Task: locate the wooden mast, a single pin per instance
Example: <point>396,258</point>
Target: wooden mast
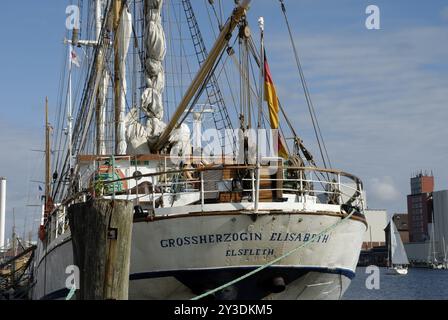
<point>117,6</point>
<point>101,100</point>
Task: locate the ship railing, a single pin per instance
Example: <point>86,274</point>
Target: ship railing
<point>310,184</point>
<point>239,182</point>
<point>237,185</point>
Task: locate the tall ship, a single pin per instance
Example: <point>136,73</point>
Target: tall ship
<point>188,126</point>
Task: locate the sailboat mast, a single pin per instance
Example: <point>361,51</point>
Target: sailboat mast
<point>389,249</point>
<point>444,250</point>
<point>433,239</point>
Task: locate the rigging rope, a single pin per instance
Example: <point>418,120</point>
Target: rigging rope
<point>270,264</point>
<point>317,130</point>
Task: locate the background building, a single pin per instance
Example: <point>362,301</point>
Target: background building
<point>374,251</point>
<point>420,207</point>
<point>375,236</point>
<point>440,207</point>
<point>401,222</point>
<point>427,221</point>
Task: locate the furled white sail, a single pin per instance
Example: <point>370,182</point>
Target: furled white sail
<point>155,45</point>
<point>124,39</point>
<point>398,253</point>
<point>138,135</point>
<point>101,114</point>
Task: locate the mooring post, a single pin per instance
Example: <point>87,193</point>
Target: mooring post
<point>101,235</point>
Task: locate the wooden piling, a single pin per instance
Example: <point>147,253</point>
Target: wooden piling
<point>101,235</point>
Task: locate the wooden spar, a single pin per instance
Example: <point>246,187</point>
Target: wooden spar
<point>100,103</point>
<point>99,110</point>
<point>117,12</point>
<point>117,96</point>
<point>205,69</point>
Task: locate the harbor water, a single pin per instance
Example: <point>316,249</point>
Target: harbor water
<point>418,284</point>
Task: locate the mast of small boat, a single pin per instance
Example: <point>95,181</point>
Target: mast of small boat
<point>389,249</point>
<point>444,251</point>
<point>433,240</point>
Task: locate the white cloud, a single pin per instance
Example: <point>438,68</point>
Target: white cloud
<point>384,189</point>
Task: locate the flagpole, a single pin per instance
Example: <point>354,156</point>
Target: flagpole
<point>260,113</point>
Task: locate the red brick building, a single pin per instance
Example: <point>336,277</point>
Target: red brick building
<point>420,207</point>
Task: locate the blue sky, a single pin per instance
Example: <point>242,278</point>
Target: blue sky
<point>381,95</point>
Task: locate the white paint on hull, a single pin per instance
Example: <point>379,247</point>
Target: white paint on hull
<point>339,251</point>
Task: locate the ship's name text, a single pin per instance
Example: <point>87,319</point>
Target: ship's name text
<point>242,237</point>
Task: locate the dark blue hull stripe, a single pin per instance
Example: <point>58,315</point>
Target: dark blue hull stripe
<point>163,274</point>
<point>191,278</point>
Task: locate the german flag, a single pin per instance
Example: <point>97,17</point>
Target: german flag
<point>270,95</point>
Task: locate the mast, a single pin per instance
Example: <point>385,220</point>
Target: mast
<point>116,14</point>
<point>203,72</point>
<point>260,112</point>
<point>98,19</point>
<point>444,250</point>
<point>2,211</point>
<point>100,109</point>
<point>433,240</point>
<point>70,111</point>
<point>389,249</point>
<point>102,91</point>
<point>47,158</point>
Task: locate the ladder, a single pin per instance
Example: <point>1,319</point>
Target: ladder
<point>214,94</point>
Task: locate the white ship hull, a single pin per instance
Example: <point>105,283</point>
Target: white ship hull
<point>182,257</point>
